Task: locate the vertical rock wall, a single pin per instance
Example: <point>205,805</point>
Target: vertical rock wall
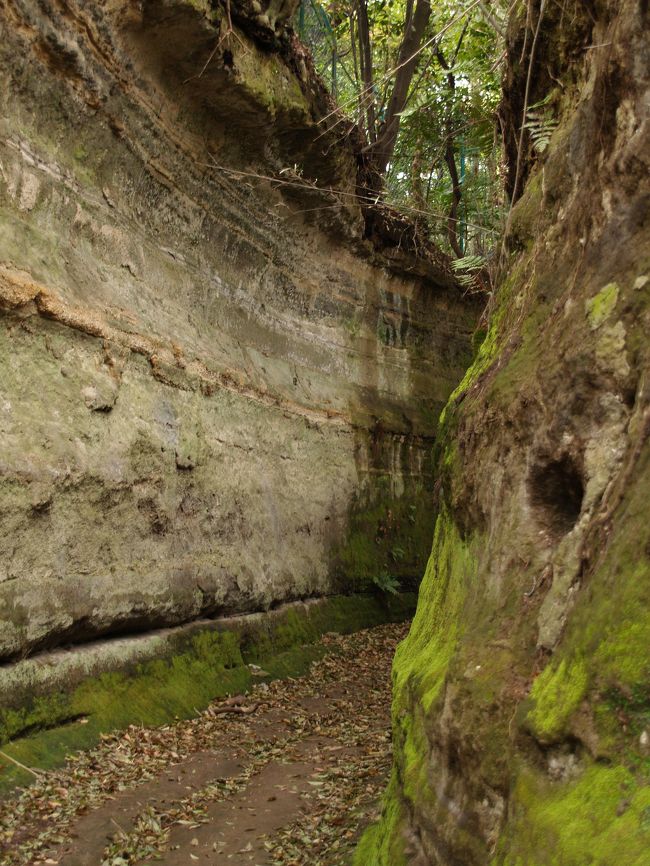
<point>216,394</point>
<point>522,693</point>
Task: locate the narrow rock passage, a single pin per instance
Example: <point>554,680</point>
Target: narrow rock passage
<point>287,774</point>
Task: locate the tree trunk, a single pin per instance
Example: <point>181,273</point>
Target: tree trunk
<point>450,158</point>
<point>456,194</point>
<point>367,97</point>
<point>414,29</point>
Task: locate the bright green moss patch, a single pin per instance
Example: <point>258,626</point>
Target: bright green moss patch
<point>624,652</point>
<point>419,671</point>
<point>383,843</point>
<point>411,741</point>
<point>599,820</point>
<point>557,693</point>
<point>152,693</point>
<point>600,307</point>
<point>210,663</point>
<point>422,659</point>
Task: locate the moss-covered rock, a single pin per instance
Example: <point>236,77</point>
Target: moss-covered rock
<point>54,705</point>
<point>602,817</point>
<point>522,693</point>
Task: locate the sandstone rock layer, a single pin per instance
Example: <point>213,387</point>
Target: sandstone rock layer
<point>217,394</point>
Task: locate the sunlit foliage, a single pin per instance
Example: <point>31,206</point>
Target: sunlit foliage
<point>444,166</point>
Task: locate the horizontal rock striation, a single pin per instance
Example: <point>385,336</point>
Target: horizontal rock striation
<point>219,391</point>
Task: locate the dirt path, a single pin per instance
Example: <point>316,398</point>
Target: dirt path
<point>284,776</point>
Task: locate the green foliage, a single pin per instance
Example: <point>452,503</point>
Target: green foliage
<point>468,263</point>
<point>451,107</point>
<point>386,583</point>
<point>541,124</point>
<point>467,269</point>
<point>462,116</point>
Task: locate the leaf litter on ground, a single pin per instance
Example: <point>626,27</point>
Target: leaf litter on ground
<point>39,820</point>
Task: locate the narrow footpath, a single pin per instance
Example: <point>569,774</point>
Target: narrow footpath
<point>288,774</point>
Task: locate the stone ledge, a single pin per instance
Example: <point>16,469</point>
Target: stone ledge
<point>64,700</point>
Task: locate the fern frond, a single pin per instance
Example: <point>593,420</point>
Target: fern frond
<point>540,125</point>
<point>468,263</point>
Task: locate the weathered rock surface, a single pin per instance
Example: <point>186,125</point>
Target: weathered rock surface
<point>522,693</point>
<point>217,394</point>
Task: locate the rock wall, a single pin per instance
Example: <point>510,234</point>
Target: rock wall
<point>217,393</point>
<point>522,693</point>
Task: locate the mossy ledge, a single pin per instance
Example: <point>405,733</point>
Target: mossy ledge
<point>58,702</point>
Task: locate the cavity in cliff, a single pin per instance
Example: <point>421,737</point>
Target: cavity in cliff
<point>522,693</point>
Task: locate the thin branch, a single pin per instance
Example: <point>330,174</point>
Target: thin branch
<point>392,72</point>
<point>37,773</point>
<point>310,186</point>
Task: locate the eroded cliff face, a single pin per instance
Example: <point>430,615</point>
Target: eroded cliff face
<point>522,693</point>
<point>217,394</point>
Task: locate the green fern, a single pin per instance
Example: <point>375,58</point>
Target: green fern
<point>467,268</point>
<point>540,124</point>
<point>386,583</point>
<point>468,263</point>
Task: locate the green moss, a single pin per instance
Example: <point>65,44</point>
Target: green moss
<point>266,80</point>
<point>422,659</point>
<point>80,153</point>
<point>388,534</point>
<point>383,844</point>
<point>208,664</point>
<point>486,353</point>
<point>419,671</point>
<point>150,693</point>
<point>413,758</point>
<point>557,693</point>
<point>609,628</point>
<point>601,306</point>
<point>622,654</point>
<point>598,820</point>
<point>602,818</point>
<point>478,338</point>
<point>526,215</point>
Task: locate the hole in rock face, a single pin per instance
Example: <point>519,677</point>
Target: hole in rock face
<point>556,492</point>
